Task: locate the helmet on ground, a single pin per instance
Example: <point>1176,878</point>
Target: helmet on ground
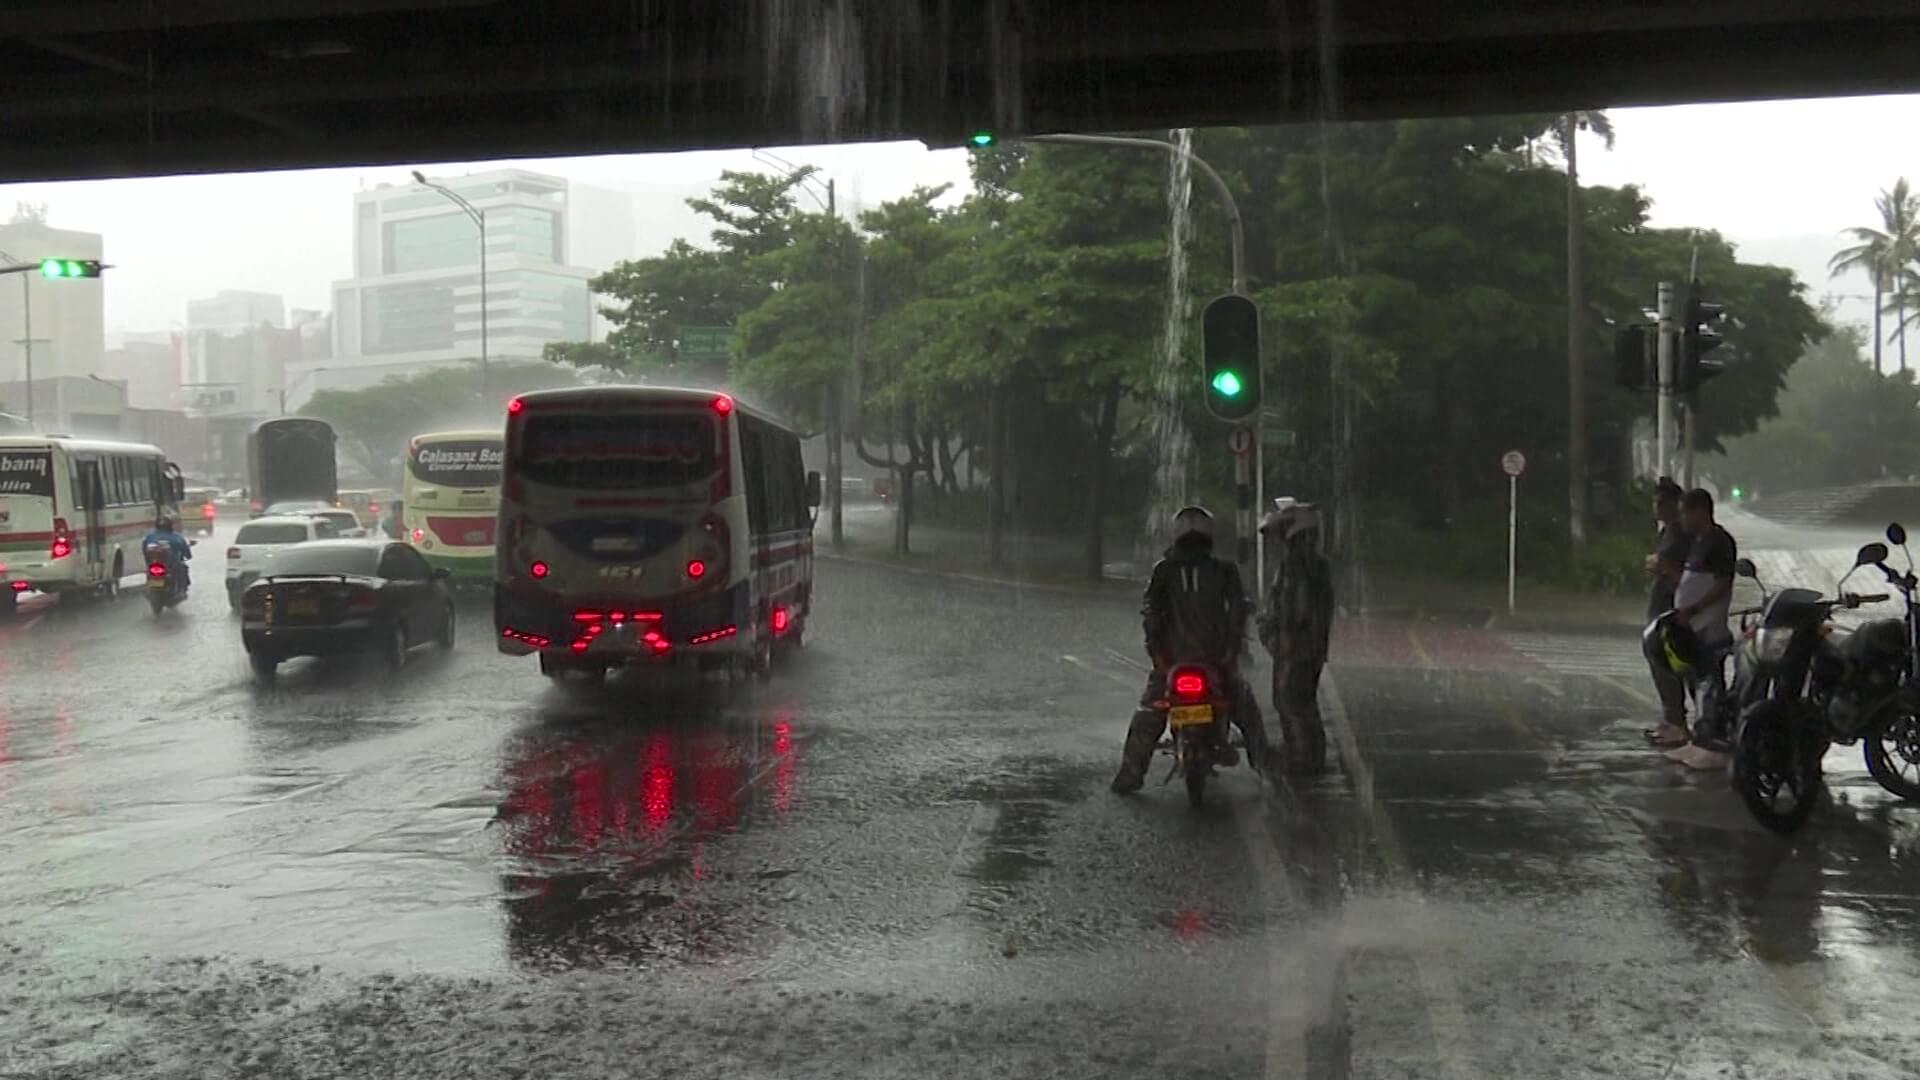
<point>1289,519</point>
<point>1192,521</point>
<point>1673,643</point>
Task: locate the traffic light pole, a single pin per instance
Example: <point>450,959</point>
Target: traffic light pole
<point>1236,232</point>
<point>1668,376</point>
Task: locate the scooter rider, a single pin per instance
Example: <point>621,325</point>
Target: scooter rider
<point>1194,609</point>
<point>1295,628</point>
<point>163,532</point>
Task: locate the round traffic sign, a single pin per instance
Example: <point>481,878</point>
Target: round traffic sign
<point>1240,441</point>
<point>1513,463</point>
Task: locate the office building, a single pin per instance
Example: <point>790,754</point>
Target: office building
<point>68,316</point>
<point>232,310</point>
<point>414,301</point>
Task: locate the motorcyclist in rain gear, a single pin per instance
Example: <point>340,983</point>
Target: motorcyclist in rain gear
<point>1295,628</point>
<point>163,532</point>
<point>1195,609</point>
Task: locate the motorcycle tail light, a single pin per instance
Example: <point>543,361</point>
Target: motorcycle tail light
<point>1189,683</point>
<point>156,570</point>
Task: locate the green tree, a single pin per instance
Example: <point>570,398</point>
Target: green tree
<point>375,423</point>
<point>1840,422</point>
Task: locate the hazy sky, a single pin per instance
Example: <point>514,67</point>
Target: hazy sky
<point>1782,177</point>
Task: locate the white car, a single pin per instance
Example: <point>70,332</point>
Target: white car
<point>253,548</point>
<point>346,523</point>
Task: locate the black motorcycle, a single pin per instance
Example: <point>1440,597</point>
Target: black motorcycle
<point>1813,686</point>
<point>1198,704</point>
<point>166,577</point>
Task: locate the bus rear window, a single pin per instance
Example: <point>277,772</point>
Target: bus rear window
<point>26,472</point>
<point>617,451</point>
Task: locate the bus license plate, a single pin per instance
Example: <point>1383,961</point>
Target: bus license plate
<point>476,536</point>
<point>1190,715</point>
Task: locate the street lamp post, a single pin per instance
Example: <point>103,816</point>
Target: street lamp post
<point>286,386</point>
<point>479,217</point>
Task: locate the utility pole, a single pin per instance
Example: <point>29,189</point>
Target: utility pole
<point>1667,375</point>
<point>836,429</point>
<point>479,219</point>
<point>1576,362</point>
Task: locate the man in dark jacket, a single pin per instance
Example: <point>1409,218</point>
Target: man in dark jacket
<point>1295,628</point>
<point>1672,545</point>
<point>1194,610</point>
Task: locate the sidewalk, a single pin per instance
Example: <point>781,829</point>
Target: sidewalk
<point>1040,562</point>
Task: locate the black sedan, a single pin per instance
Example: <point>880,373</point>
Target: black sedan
<point>330,597</point>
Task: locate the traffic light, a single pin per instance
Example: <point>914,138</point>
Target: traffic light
<point>1633,361</point>
<point>981,138</point>
<point>71,268</point>
<point>1699,335</point>
<point>1230,342</point>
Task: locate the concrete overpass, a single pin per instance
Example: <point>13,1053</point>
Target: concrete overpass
<point>94,88</point>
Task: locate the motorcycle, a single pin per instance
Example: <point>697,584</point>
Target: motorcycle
<point>1814,686</point>
<point>1199,706</point>
<point>166,581</point>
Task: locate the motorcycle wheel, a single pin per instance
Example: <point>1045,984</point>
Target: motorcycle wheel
<point>1777,778</point>
<point>1893,756</point>
<point>1196,787</point>
<point>156,601</point>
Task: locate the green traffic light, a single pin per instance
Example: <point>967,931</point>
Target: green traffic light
<point>53,268</point>
<point>1736,493</point>
<point>1227,384</point>
<point>982,138</point>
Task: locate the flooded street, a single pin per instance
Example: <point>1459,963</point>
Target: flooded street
<point>900,856</point>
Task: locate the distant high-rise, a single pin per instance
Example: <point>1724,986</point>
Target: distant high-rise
<point>230,310</point>
<point>414,299</point>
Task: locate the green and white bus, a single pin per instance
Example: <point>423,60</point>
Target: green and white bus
<point>72,513</point>
<point>450,500</point>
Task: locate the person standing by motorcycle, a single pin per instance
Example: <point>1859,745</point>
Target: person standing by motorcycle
<point>1701,602</point>
<point>163,532</point>
<point>1665,565</point>
<point>1195,609</point>
<point>1295,629</point>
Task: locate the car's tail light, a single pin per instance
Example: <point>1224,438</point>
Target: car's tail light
<point>363,600</point>
<point>62,539</point>
<point>1189,683</point>
<point>156,570</point>
<point>538,569</point>
<point>233,553</point>
<point>21,586</point>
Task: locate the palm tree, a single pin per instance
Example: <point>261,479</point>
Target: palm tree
<point>1596,121</point>
<point>1887,255</point>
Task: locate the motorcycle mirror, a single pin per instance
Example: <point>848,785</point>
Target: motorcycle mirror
<point>1870,554</point>
<point>1745,568</point>
<point>1896,535</point>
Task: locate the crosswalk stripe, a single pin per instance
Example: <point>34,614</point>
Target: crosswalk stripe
<point>1574,655</point>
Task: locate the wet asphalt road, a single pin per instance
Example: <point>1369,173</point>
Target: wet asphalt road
<point>900,858</point>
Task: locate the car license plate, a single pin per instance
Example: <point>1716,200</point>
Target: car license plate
<point>303,605</point>
<point>1190,715</point>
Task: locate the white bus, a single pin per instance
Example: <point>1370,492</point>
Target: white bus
<point>643,525</point>
<point>450,500</point>
<point>72,513</point>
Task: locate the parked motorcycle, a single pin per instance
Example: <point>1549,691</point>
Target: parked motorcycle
<point>1198,706</point>
<point>1813,685</point>
<point>166,579</point>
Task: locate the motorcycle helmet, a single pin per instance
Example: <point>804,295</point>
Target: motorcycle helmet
<point>1673,642</point>
<point>1192,523</point>
<point>164,523</point>
<point>1290,519</point>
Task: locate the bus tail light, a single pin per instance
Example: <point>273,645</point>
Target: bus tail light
<point>780,619</point>
<point>515,406</point>
<point>62,539</point>
<point>419,535</point>
<point>723,404</point>
<point>538,569</point>
<point>696,569</point>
